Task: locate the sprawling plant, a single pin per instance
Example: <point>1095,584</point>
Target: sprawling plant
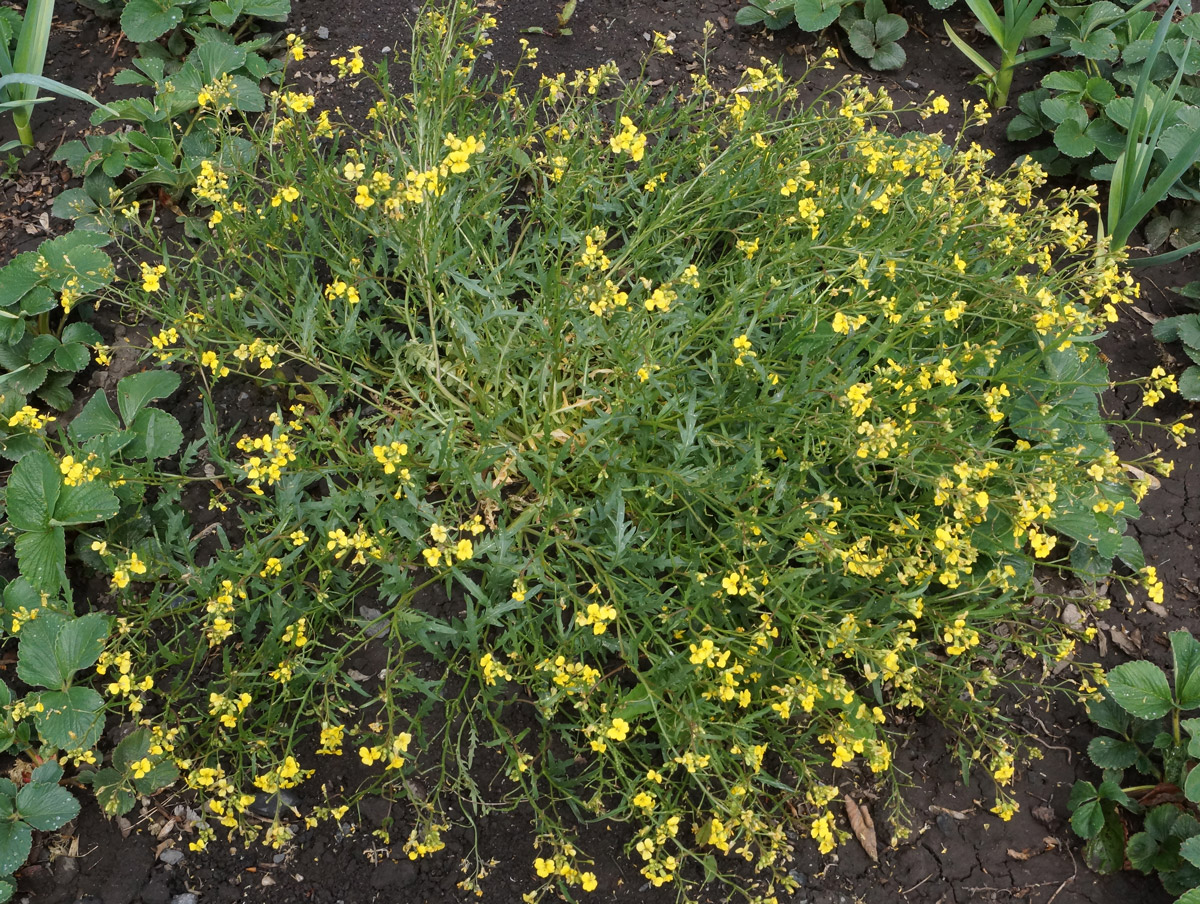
<point>715,438</point>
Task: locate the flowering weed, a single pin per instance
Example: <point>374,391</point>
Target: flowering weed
<point>737,428</point>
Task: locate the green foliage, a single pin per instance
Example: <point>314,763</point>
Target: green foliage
<point>38,357</point>
<point>40,804</point>
<point>21,67</point>
<point>139,767</point>
<point>1138,699</point>
<point>1021,20</point>
<point>723,504</point>
<point>873,32</point>
<point>1184,329</point>
<point>173,129</point>
<point>1128,112</point>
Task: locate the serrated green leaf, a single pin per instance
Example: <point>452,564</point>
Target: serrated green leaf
<point>1185,655</point>
<point>1073,81</point>
<point>42,347</point>
<point>85,503</point>
<point>96,419</point>
<point>1112,753</point>
<point>33,489</point>
<point>1167,329</point>
<point>55,392</point>
<point>80,642</point>
<point>157,435</point>
<point>73,357</point>
<point>136,390</point>
<point>888,56</point>
<point>272,10</point>
<point>1190,851</point>
<point>1081,792</point>
<point>1140,849</point>
<point>162,773</point>
<point>53,647</point>
<point>889,28</point>
<point>1141,689</point>
<point>1088,819</point>
<point>1189,384</point>
<point>70,719</point>
<point>1022,128</point>
<point>50,771</point>
<point>132,748</point>
<point>1160,820</point>
<point>1072,139</point>
<point>862,38</point>
<point>42,557</point>
<point>112,793</point>
<point>37,663</point>
<point>147,20</point>
<point>813,15</point>
<point>218,58</point>
<point>16,839</point>
<point>45,806</point>
<point>1105,853</point>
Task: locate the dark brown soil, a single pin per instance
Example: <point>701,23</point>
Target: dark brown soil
<point>957,853</point>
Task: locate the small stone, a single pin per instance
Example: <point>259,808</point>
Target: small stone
<point>323,33</point>
<point>65,870</point>
<point>189,897</point>
<point>375,810</point>
<point>909,83</point>
<point>171,856</point>
<point>270,805</point>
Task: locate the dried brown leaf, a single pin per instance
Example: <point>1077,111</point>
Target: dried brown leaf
<point>960,815</point>
<point>863,827</point>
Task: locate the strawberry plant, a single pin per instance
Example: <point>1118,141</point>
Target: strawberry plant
<point>1151,823</point>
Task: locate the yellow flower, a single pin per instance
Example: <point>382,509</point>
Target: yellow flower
<point>152,276</point>
<point>618,731</point>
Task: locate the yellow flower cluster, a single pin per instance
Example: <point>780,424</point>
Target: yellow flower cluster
<point>348,66</point>
<point>391,458</point>
<point>75,472</point>
<point>562,866</point>
<point>219,610</point>
<point>426,842</point>
<point>261,351</point>
<point>629,141</point>
<point>29,417</point>
<point>364,545</point>
<point>447,551</point>
<point>228,709</point>
<point>278,453</point>
<point>392,752</point>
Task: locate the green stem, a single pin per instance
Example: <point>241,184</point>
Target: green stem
<point>30,60</point>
